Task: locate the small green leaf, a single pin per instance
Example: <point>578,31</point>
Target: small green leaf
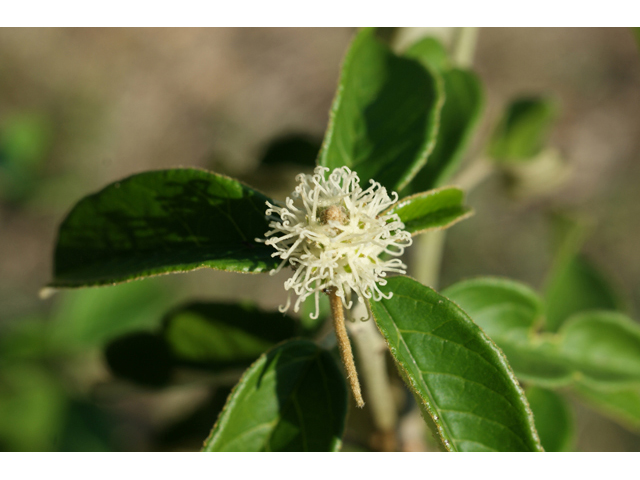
<point>554,419</point>
<point>430,52</point>
<point>219,335</point>
<point>293,398</point>
<point>435,209</point>
<point>522,132</point>
<point>603,346</point>
<point>575,287</point>
<point>160,222</point>
<point>508,312</point>
<point>620,404</point>
<point>599,347</point>
<point>462,379</point>
<point>384,117</point>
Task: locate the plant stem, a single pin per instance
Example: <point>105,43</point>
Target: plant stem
<point>345,346</point>
<point>474,174</point>
<point>465,47</point>
<point>428,261</point>
<point>371,351</point>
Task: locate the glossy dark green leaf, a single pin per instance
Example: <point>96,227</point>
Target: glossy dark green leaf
<point>222,335</point>
<point>620,404</point>
<point>597,346</point>
<point>554,419</point>
<point>435,209</point>
<point>384,117</point>
<point>522,132</point>
<point>462,379</point>
<point>160,222</point>
<point>577,286</point>
<point>293,398</point>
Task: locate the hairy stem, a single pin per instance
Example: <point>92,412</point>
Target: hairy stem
<point>345,346</point>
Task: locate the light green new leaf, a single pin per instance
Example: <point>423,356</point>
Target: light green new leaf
<point>554,419</point>
<point>220,335</point>
<point>384,117</point>
<point>435,209</point>
<point>620,404</point>
<point>598,347</point>
<point>574,284</point>
<point>293,398</point>
<point>603,346</point>
<point>575,287</point>
<point>462,379</point>
<point>508,312</point>
<point>522,132</point>
<point>160,222</point>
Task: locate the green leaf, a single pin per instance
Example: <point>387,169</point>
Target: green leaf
<point>92,317</point>
<point>384,118</point>
<point>293,398</point>
<point>461,378</point>
<point>160,222</point>
<point>463,105</point>
<point>603,346</point>
<point>522,132</point>
<point>598,347</point>
<point>620,404</point>
<point>430,52</point>
<point>219,335</point>
<point>435,209</point>
<point>141,357</point>
<point>464,102</point>
<point>508,312</point>
<point>554,419</point>
<point>32,405</point>
<point>575,287</point>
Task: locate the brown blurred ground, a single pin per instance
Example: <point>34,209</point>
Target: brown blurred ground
<point>123,101</point>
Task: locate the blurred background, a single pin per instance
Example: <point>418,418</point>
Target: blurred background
<point>81,108</point>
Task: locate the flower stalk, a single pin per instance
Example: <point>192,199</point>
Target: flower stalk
<point>344,345</point>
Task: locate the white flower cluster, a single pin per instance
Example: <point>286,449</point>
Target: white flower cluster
<point>332,232</point>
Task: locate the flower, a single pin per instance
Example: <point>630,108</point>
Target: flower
<point>332,233</point>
